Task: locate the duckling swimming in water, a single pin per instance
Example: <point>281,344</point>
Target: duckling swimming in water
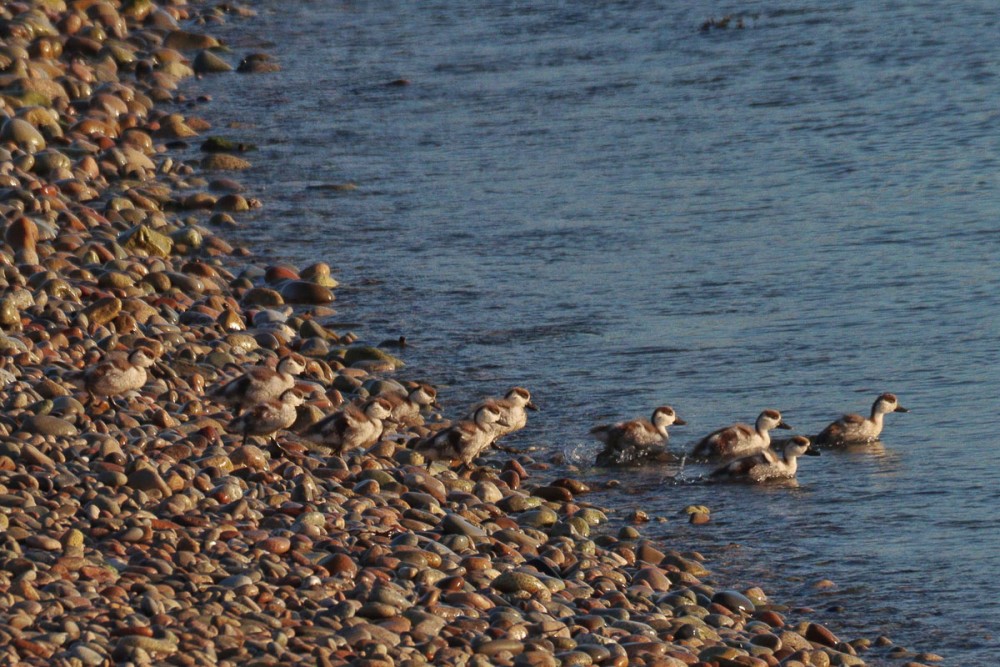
<point>631,441</point>
<point>740,439</point>
<point>767,464</point>
<point>855,428</point>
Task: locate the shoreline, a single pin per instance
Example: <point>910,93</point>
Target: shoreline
<point>147,533</point>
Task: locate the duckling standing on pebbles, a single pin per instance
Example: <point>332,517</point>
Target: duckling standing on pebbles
<point>406,410</point>
<point>512,409</point>
<point>118,374</point>
<point>269,417</point>
<point>740,439</point>
<point>855,428</point>
<point>464,440</point>
<point>766,464</point>
<point>259,384</point>
<point>352,427</point>
<point>630,441</point>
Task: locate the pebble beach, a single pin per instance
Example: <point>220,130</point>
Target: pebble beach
<point>137,528</point>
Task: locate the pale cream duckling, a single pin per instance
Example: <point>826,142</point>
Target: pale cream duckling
<point>630,441</point>
<point>352,427</point>
<point>407,410</point>
<point>269,417</point>
<point>259,384</point>
<point>119,373</point>
<point>766,464</point>
<point>740,439</point>
<point>512,408</point>
<point>464,440</point>
<point>855,428</point>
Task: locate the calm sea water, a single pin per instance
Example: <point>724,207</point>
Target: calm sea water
<point>603,203</point>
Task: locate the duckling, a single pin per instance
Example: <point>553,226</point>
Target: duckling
<point>352,427</point>
<point>259,384</point>
<point>512,408</point>
<point>633,440</point>
<point>740,439</point>
<point>855,428</point>
<point>406,410</point>
<point>118,373</point>
<point>269,417</point>
<point>464,440</point>
<point>766,464</point>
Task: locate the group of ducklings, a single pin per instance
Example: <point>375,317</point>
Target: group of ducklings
<point>266,399</point>
<point>745,450</point>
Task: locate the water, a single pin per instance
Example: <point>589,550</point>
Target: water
<point>602,203</point>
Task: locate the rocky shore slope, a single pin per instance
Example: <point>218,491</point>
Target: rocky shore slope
<point>136,528</point>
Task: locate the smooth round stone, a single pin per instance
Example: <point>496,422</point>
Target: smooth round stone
<point>183,40</point>
<point>23,134</point>
<point>518,502</point>
<point>87,655</point>
<point>319,273</point>
<point>249,456</point>
<point>236,581</point>
<point>594,517</point>
<point>262,296</point>
<point>734,601</point>
<point>188,236</point>
<point>275,545</point>
<point>767,640</point>
<point>358,353</point>
<point>821,635</point>
<point>539,518</point>
<point>268,316</point>
<point>553,493</point>
<point>340,564</point>
<point>10,316</point>
<point>103,310</point>
<point>301,291</point>
<point>519,582</point>
<point>224,162</point>
<point>49,425</point>
<point>50,160</point>
<point>654,577</point>
<point>454,523</point>
<point>382,387</point>
<point>233,203</point>
<point>207,62</point>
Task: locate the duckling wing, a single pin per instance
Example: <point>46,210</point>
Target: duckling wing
<point>329,430</point>
<point>601,432</point>
<point>838,432</point>
<point>445,444</point>
<point>723,442</point>
<point>742,467</point>
<point>706,446</point>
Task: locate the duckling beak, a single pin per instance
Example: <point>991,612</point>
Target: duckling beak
<point>679,422</point>
<point>900,408</point>
<point>784,426</point>
<point>532,406</point>
<point>812,451</point>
